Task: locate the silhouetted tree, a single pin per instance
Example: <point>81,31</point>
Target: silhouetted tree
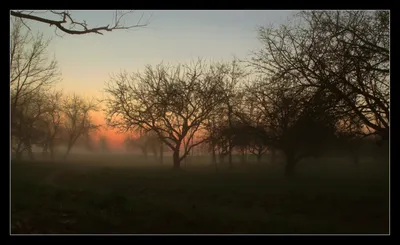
<point>139,142</point>
<point>89,142</point>
<point>31,74</point>
<point>145,141</point>
<point>63,21</point>
<point>77,121</point>
<point>27,125</point>
<point>103,143</point>
<point>30,68</point>
<point>52,120</point>
<point>251,126</point>
<point>212,135</point>
<point>230,76</point>
<point>343,52</point>
<point>173,102</point>
<point>234,75</point>
<point>298,122</point>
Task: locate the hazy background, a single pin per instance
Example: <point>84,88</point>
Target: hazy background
<point>87,61</point>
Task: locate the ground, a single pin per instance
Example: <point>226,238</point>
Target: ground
<point>76,197</point>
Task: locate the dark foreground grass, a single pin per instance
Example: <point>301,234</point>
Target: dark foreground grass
<point>81,198</point>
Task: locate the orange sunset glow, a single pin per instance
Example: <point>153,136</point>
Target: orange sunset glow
<point>115,139</point>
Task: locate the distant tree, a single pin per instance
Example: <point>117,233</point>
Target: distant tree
<point>27,126</point>
<point>234,73</point>
<point>155,145</point>
<point>77,121</point>
<point>104,145</point>
<point>173,102</point>
<point>250,129</point>
<point>230,75</point>
<point>52,121</point>
<point>139,142</point>
<point>69,25</point>
<point>214,139</point>
<point>89,142</point>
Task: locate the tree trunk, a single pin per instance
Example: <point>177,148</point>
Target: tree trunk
<point>161,153</point>
<point>213,155</point>
<point>356,160</point>
<point>51,149</point>
<point>175,156</point>
<point>222,159</point>
<point>230,157</point>
<point>30,153</point>
<point>67,153</point>
<point>243,158</point>
<point>229,135</point>
<point>354,154</point>
<point>290,164</point>
<point>155,153</point>
<point>259,157</point>
<point>144,150</point>
<point>273,156</point>
<point>18,151</point>
<point>18,155</point>
<point>45,151</point>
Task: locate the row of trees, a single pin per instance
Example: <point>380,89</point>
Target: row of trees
<point>146,142</point>
<point>323,79</point>
<point>41,115</point>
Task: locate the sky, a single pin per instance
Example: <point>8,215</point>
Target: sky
<point>87,61</point>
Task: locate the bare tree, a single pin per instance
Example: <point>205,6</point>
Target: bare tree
<point>145,141</point>
<point>139,142</point>
<point>343,52</point>
<point>230,76</point>
<point>251,125</point>
<point>297,122</point>
<point>173,102</point>
<point>63,21</point>
<point>52,120</point>
<point>30,67</point>
<point>235,74</point>
<point>77,120</point>
<point>27,127</point>
<point>214,137</point>
<point>31,74</point>
<point>103,143</point>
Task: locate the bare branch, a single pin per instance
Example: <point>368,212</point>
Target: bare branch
<point>66,18</point>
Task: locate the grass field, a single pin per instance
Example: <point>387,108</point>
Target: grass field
<point>326,196</point>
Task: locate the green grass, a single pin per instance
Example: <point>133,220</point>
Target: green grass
<point>89,198</point>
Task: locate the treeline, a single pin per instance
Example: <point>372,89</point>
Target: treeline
<point>41,115</point>
<point>319,82</point>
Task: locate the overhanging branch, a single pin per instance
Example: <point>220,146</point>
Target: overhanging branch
<point>66,14</point>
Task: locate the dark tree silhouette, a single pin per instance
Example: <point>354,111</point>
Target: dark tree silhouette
<point>230,76</point>
<point>64,21</point>
<point>31,75</point>
<point>52,121</point>
<point>103,143</point>
<point>173,102</point>
<point>297,122</point>
<point>77,121</point>
<point>28,123</point>
<point>343,52</point>
<point>146,141</point>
